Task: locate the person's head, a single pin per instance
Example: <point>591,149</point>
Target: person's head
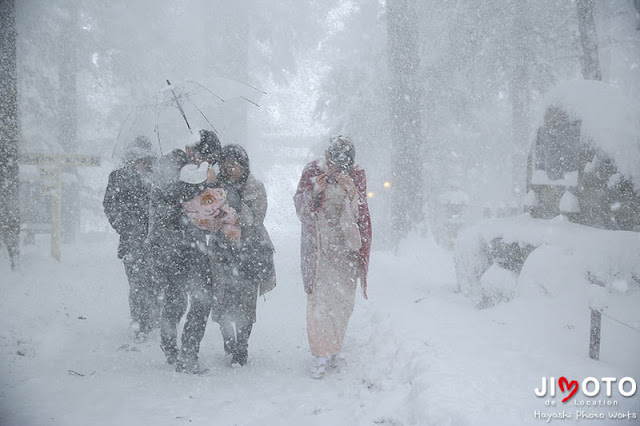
<point>140,152</point>
<point>206,148</point>
<point>167,169</point>
<point>340,155</point>
<point>234,162</point>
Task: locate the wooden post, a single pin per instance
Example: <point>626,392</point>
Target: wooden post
<point>51,167</point>
<point>56,213</point>
<point>594,343</point>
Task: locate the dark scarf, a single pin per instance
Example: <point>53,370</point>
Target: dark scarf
<point>235,189</point>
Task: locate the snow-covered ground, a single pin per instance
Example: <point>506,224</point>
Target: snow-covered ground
<point>416,353</point>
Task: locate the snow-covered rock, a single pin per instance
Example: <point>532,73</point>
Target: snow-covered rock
<point>565,258</point>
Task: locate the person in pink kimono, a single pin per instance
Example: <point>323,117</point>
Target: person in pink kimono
<point>331,203</point>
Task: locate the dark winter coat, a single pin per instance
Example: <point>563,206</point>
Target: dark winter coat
<point>252,217</point>
<point>171,232</point>
<point>126,204</point>
<point>239,291</point>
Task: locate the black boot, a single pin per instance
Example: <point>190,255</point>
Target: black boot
<point>240,357</point>
<point>241,353</point>
<point>188,363</point>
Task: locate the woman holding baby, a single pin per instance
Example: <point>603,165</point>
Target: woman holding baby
<point>246,267</point>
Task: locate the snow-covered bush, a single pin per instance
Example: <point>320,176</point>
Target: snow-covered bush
<point>500,259</point>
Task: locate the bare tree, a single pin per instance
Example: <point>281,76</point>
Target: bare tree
<point>589,40</point>
<point>520,94</point>
<point>9,131</point>
<point>590,71</point>
<point>68,106</point>
<point>230,58</point>
<point>406,98</point>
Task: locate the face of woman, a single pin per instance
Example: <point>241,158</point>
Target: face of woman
<point>143,165</point>
<point>233,170</point>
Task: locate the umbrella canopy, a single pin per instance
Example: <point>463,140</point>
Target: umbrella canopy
<point>180,109</point>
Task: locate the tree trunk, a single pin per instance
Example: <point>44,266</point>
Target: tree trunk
<point>520,97</point>
<point>230,56</point>
<point>9,132</point>
<point>68,114</point>
<point>589,40</point>
<point>406,97</point>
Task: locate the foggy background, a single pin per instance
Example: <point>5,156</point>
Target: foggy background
<point>471,74</point>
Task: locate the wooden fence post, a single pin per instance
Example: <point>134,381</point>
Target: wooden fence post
<point>51,167</point>
<point>594,343</point>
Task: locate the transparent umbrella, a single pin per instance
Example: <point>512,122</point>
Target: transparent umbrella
<point>180,109</point>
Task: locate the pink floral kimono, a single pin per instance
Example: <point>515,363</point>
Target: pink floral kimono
<point>336,241</point>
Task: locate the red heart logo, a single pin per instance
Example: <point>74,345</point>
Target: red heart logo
<point>563,382</point>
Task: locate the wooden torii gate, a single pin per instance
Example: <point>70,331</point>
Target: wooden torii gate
<point>51,166</point>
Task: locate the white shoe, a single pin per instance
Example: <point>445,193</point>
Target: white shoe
<point>335,360</point>
<point>318,368</point>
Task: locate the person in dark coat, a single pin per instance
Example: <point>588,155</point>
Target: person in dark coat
<point>247,268</point>
<point>182,266</point>
<point>126,204</point>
